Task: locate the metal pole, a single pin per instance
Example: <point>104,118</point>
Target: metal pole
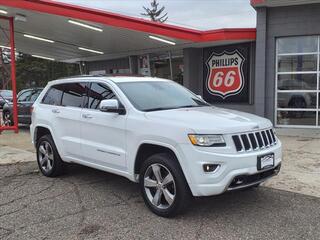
<point>170,63</point>
<point>80,68</point>
<point>13,75</point>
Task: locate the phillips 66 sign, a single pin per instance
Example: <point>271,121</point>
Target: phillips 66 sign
<point>226,74</point>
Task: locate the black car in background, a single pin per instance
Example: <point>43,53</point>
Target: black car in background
<point>25,100</point>
<point>5,96</point>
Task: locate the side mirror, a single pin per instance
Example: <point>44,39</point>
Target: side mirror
<point>111,106</point>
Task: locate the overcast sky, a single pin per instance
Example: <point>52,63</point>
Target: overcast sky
<point>199,14</point>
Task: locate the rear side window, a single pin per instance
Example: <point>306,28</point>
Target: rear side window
<point>98,92</point>
<point>73,94</point>
<point>53,96</point>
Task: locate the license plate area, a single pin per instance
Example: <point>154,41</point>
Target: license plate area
<point>265,161</point>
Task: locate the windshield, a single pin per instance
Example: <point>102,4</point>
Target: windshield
<point>160,95</point>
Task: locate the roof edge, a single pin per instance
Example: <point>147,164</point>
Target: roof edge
<point>131,23</point>
<point>257,3</point>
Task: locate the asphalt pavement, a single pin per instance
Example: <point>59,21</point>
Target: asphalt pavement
<point>90,204</point>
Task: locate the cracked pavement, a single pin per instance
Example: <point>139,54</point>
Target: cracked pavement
<point>90,204</point>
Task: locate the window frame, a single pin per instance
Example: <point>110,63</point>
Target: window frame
<point>29,91</point>
<point>46,94</point>
<point>82,98</point>
<point>86,99</point>
<point>316,91</point>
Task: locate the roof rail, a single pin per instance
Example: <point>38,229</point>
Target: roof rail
<point>76,76</point>
<point>104,75</point>
<point>119,75</point>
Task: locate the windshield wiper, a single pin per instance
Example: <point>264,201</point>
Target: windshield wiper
<point>191,106</point>
<point>157,109</point>
<point>178,107</point>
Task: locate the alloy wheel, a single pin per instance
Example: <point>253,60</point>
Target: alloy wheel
<point>45,155</point>
<point>159,186</point>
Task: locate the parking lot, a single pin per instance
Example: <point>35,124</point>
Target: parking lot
<point>90,204</point>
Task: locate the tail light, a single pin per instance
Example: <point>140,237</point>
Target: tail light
<point>31,109</point>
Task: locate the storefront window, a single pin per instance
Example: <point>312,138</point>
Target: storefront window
<point>297,78</point>
<point>300,63</point>
<point>161,67</point>
<point>307,44</point>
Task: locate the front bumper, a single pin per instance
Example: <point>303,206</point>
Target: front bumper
<point>232,165</point>
<point>246,181</point>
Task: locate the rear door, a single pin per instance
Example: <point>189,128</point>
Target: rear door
<point>64,117</point>
<point>103,134</point>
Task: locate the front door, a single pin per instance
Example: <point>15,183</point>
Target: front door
<point>103,134</point>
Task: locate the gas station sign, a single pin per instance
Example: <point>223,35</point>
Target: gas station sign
<point>226,73</point>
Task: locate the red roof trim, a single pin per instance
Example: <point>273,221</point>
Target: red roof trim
<point>121,21</point>
<point>256,2</point>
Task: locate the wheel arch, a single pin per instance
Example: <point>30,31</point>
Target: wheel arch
<point>41,130</point>
<point>147,149</point>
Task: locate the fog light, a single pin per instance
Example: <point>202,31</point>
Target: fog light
<point>210,167</point>
<point>238,181</point>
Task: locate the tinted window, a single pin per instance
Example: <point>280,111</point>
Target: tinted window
<point>72,94</point>
<point>53,96</point>
<point>97,93</point>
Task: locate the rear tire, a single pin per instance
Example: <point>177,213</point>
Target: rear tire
<point>163,185</point>
<point>7,118</point>
<point>48,158</point>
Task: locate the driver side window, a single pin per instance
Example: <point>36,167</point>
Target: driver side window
<point>98,92</point>
<point>25,96</point>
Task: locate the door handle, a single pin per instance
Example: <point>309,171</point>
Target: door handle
<point>55,110</point>
<point>87,116</point>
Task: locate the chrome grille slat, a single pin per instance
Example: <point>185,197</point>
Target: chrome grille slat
<point>264,145</point>
<point>254,141</point>
<point>242,145</point>
<point>255,137</point>
<point>265,139</point>
<point>269,137</point>
<point>250,143</point>
<point>273,136</point>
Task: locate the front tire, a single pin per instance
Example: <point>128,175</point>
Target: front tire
<point>163,185</point>
<point>48,158</point>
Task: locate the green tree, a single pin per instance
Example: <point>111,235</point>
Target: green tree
<point>35,72</point>
<point>154,13</point>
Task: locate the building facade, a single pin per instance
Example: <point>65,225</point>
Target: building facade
<point>287,62</point>
<point>279,74</point>
<point>272,71</point>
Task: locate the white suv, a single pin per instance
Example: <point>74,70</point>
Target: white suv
<point>154,132</point>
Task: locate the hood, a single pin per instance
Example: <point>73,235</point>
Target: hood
<point>211,120</point>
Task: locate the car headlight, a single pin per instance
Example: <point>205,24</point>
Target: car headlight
<point>207,140</point>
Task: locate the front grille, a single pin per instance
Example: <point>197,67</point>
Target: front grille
<point>255,140</point>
